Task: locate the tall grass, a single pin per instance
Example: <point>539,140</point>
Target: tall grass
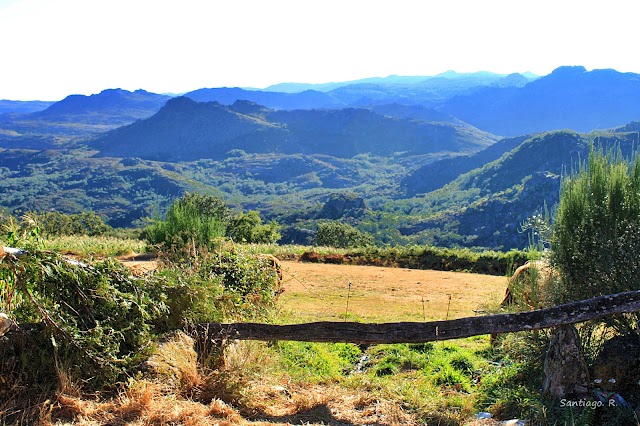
<point>95,245</point>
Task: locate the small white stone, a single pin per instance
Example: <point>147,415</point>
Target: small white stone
<point>5,323</point>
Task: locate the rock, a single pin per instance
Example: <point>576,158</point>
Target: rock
<point>617,367</point>
<point>483,415</point>
<point>5,323</point>
<point>343,206</point>
<point>282,390</point>
<point>565,370</point>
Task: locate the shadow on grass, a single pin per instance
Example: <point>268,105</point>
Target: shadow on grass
<point>317,414</point>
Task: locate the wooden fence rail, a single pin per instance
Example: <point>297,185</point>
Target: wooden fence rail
<point>420,332</point>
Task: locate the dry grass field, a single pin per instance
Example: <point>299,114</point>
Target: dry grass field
<point>319,292</point>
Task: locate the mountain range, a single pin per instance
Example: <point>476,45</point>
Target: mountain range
<point>454,159</point>
<point>185,130</point>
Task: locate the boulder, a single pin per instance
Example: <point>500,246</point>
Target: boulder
<point>565,370</point>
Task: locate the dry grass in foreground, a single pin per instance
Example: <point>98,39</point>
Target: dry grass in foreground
<point>179,392</point>
<point>244,389</point>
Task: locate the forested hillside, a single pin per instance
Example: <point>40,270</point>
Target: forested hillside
<point>400,145</point>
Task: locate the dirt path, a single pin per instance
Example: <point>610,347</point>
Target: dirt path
<point>319,292</point>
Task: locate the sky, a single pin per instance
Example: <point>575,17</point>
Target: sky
<point>53,48</point>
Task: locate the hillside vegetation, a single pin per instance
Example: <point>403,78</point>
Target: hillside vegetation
<point>399,144</point>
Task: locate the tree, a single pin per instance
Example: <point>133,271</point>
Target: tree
<point>342,235</point>
<point>596,245</point>
<point>248,228</point>
<point>56,223</point>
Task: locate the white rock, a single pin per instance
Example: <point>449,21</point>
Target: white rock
<point>5,323</point>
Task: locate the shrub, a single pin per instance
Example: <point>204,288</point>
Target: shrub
<point>596,234</point>
<point>248,228</point>
<point>194,219</point>
<point>97,320</point>
<point>336,234</point>
<point>199,220</point>
<point>56,223</point>
<point>231,283</point>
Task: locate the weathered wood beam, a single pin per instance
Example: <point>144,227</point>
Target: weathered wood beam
<point>419,332</point>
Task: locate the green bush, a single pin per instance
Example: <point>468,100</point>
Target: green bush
<point>194,220</point>
<point>248,228</point>
<point>97,320</point>
<point>336,234</point>
<point>596,234</point>
<point>198,221</point>
<point>231,283</point>
<point>56,223</point>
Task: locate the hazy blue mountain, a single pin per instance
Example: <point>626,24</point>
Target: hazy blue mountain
<point>389,80</point>
<point>512,80</point>
<point>430,91</point>
<point>308,99</point>
<point>187,130</point>
<point>362,93</point>
<point>300,87</point>
<point>21,107</point>
<point>568,98</point>
<point>111,106</point>
<point>75,116</point>
<point>416,112</point>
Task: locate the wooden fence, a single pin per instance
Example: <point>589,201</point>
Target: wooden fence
<point>420,332</point>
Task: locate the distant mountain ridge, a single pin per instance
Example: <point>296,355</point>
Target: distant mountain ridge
<point>111,106</point>
<point>22,107</point>
<point>478,78</point>
<point>568,98</point>
<point>362,93</point>
<point>507,105</point>
<point>186,130</point>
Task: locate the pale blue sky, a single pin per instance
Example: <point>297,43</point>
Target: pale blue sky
<point>53,48</point>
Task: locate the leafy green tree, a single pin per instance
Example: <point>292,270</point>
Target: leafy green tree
<point>248,228</point>
<point>342,235</point>
<point>56,223</point>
